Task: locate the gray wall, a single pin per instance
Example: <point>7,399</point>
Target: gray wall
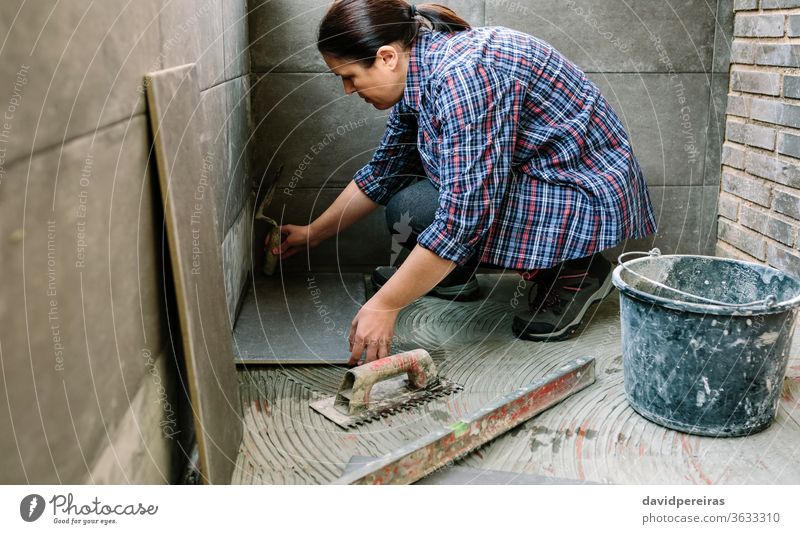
<point>86,358</point>
<point>662,65</point>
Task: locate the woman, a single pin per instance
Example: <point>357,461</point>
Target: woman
<point>525,166</point>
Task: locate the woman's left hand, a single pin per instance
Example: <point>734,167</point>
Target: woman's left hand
<point>372,330</point>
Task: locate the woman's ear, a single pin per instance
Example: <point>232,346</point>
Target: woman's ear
<point>388,56</point>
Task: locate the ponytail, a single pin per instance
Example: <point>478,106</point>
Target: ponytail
<point>441,18</point>
<point>355,29</point>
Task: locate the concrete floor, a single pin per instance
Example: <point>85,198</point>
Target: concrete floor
<point>592,436</point>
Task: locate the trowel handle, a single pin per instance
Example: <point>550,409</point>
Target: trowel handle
<point>417,363</point>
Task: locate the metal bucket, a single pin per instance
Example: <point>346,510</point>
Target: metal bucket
<point>705,340</point>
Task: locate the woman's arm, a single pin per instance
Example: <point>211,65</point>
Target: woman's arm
<point>394,166</point>
<point>418,274</point>
<point>373,327</point>
<point>349,207</point>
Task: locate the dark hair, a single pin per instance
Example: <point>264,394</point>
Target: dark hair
<point>355,29</point>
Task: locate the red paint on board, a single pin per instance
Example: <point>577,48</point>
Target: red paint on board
<point>579,451</point>
<point>687,448</point>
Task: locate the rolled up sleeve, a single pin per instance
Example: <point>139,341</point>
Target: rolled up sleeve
<point>396,162</point>
<point>479,115</point>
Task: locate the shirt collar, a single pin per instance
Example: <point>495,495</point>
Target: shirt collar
<point>416,70</point>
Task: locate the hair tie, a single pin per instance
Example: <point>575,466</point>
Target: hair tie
<point>412,10</point>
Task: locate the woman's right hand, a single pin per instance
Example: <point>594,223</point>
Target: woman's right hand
<point>297,238</point>
<point>350,206</point>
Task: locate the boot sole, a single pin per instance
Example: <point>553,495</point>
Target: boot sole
<point>519,327</point>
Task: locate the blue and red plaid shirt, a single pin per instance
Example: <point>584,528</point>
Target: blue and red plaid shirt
<point>532,165</point>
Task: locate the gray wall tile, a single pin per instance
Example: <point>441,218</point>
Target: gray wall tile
<point>214,140</point>
<point>235,39</point>
<point>84,74</point>
<point>723,36</point>
<point>191,32</point>
<point>308,125</point>
<point>74,80</point>
<point>669,141</point>
<point>192,223</point>
<point>226,155</point>
<point>687,221</point>
<point>146,426</point>
<point>238,182</point>
<point>716,128</point>
<point>283,33</point>
<point>106,308</point>
<point>236,258</point>
<point>617,35</point>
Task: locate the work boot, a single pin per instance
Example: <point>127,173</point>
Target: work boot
<point>561,297</point>
<point>460,284</point>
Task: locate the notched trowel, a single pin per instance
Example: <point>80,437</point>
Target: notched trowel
<point>378,388</point>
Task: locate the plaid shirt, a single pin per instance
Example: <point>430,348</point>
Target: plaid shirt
<point>532,165</point>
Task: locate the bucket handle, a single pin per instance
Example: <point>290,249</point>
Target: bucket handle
<point>770,300</point>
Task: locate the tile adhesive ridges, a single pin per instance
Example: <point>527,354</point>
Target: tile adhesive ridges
<point>594,435</point>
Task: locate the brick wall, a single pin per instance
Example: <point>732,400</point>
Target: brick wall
<point>759,203</point>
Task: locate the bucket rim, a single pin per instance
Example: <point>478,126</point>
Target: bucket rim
<point>761,309</point>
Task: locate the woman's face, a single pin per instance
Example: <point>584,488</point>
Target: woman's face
<point>382,84</point>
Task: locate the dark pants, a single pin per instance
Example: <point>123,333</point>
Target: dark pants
<point>410,211</point>
<point>413,208</point>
